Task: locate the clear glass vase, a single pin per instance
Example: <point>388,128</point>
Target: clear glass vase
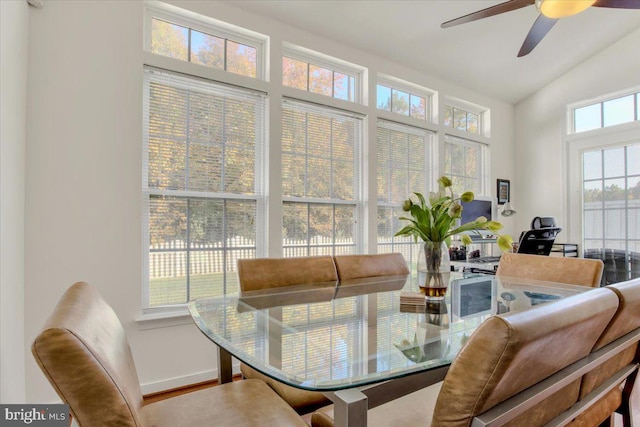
<point>434,269</point>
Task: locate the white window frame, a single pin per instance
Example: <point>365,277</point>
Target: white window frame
<point>358,160</point>
<point>430,180</point>
<point>483,174</point>
<point>577,144</point>
<point>570,119</point>
<point>364,104</point>
<point>207,25</point>
<point>430,151</point>
<point>484,117</point>
<point>258,85</point>
<point>309,56</point>
<point>430,96</point>
<point>258,195</point>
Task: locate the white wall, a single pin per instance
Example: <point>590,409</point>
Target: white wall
<point>540,152</point>
<point>13,92</point>
<point>84,203</point>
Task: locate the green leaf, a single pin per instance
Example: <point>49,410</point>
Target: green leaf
<point>420,197</point>
<point>412,230</point>
<point>419,214</point>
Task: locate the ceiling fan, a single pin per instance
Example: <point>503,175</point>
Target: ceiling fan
<point>550,12</point>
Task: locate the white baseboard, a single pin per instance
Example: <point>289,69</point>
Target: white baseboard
<point>177,382</point>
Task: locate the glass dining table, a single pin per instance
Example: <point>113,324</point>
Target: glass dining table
<point>357,341</point>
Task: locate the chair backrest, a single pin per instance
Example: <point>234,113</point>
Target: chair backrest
<point>266,273</point>
<point>509,353</point>
<point>84,353</point>
<point>543,222</point>
<point>625,320</point>
<point>538,241</point>
<point>358,266</point>
<point>575,271</point>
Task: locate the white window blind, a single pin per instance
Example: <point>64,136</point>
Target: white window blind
<point>404,163</point>
<point>320,179</point>
<point>202,184</point>
<point>311,329</point>
<point>464,162</point>
<point>320,186</point>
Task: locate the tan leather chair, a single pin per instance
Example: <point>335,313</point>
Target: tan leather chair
<point>626,319</point>
<point>83,352</point>
<point>265,273</point>
<point>504,356</point>
<point>258,274</point>
<point>575,271</point>
<point>359,266</point>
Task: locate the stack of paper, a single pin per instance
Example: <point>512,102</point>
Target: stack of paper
<point>410,308</point>
<point>411,300</point>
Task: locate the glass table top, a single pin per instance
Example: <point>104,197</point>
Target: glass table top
<point>336,335</point>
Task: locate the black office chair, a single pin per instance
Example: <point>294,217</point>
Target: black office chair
<point>543,222</point>
<point>539,240</point>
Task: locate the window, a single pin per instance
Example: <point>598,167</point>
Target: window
<point>205,148</point>
<point>403,98</point>
<point>464,162</point>
<point>462,120</point>
<point>611,209</point>
<point>317,79</point>
<point>404,161</point>
<point>610,112</point>
<point>205,42</point>
<point>400,102</point>
<point>320,179</point>
<point>202,184</point>
<point>313,72</point>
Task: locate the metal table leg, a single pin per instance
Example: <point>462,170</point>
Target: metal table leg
<point>351,405</point>
<point>225,371</point>
<point>350,408</point>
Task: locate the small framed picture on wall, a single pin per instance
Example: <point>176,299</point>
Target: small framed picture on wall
<point>504,191</point>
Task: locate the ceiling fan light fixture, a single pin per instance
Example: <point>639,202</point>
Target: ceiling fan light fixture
<point>556,9</point>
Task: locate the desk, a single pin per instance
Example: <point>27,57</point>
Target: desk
<point>566,249</point>
<point>475,267</point>
<point>351,340</point>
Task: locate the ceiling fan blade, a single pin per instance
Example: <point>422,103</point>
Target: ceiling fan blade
<point>618,4</point>
<point>537,32</point>
<point>490,11</point>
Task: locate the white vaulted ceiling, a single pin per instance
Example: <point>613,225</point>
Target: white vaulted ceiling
<point>479,55</point>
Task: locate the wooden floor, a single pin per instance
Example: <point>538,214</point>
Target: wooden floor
<point>155,397</point>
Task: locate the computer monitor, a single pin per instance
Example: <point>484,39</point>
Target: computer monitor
<point>474,209</point>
